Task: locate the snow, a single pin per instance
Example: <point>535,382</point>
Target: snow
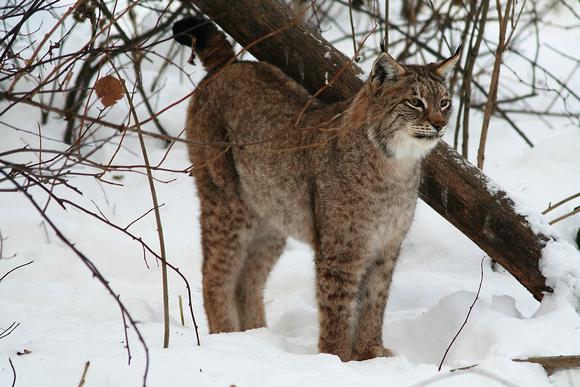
<point>66,317</point>
<point>538,223</point>
<point>560,265</point>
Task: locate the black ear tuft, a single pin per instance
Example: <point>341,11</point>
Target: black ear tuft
<point>185,30</point>
<point>383,43</point>
<point>444,67</point>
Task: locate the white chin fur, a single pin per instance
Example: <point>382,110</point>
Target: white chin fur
<point>404,146</point>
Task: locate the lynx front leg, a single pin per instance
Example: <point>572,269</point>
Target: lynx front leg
<point>338,279</point>
<point>373,295</point>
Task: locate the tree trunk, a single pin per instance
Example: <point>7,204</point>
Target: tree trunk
<point>453,187</point>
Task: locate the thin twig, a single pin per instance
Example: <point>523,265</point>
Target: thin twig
<point>549,363</point>
<point>450,374</point>
<point>16,268</point>
<point>354,50</point>
<point>165,288</point>
<point>468,75</point>
<point>6,332</point>
<point>84,375</point>
<point>565,216</point>
<point>13,372</point>
<point>558,204</point>
<point>494,83</point>
<point>181,311</point>
<point>466,317</point>
<point>386,35</point>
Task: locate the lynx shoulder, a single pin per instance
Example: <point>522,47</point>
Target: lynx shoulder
<point>270,161</point>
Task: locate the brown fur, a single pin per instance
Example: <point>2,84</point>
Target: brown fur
<point>344,180</point>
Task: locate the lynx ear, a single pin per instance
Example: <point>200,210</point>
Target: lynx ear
<point>385,68</point>
<point>443,68</point>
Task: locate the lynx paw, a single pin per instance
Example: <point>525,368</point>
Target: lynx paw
<point>372,352</point>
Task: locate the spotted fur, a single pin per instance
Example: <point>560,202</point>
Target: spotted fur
<point>343,180</point>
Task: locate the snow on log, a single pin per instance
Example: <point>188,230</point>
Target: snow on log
<point>456,189</point>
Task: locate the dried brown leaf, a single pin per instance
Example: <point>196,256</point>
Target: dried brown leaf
<point>109,90</point>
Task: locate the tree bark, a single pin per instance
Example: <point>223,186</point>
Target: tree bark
<point>453,187</point>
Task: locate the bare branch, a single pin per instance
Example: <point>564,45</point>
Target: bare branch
<point>14,269</point>
<point>466,317</point>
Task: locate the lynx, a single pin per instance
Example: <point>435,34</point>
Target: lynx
<point>270,161</point>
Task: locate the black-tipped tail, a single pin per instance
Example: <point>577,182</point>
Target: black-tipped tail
<point>206,40</point>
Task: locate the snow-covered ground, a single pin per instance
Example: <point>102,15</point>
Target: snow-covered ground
<point>67,318</point>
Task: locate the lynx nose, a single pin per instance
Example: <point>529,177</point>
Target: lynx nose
<point>437,121</point>
<point>438,125</point>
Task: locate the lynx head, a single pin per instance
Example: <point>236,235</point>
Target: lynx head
<point>408,105</point>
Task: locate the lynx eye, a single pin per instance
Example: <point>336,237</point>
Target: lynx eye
<point>445,102</point>
<point>415,103</point>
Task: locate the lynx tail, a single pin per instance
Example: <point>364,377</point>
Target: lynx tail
<point>210,44</point>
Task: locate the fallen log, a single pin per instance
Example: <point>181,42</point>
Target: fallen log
<point>457,190</point>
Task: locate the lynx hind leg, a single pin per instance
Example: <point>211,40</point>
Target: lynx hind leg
<point>373,295</point>
<point>225,229</point>
<point>225,222</point>
<point>264,249</point>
